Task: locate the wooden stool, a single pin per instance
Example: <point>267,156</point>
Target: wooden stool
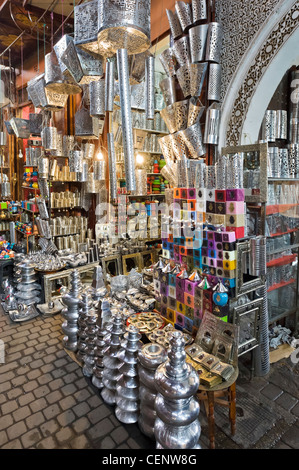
<point>223,394</point>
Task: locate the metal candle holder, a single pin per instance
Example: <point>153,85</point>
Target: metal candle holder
<point>166,147</point>
<point>175,26</point>
<point>184,78</point>
<point>127,132</point>
<point>184,14</point>
<point>177,425</point>
<point>99,170</point>
<point>97,98</point>
<point>168,89</point>
<point>211,135</point>
<point>199,10</point>
<point>49,138</point>
<point>181,51</point>
<point>168,62</point>
<point>269,126</point>
<point>193,139</point>
<point>214,88</point>
<point>86,26</point>
<point>195,112</point>
<point>197,77</point>
<point>150,87</point>
<point>123,24</point>
<point>127,396</point>
<point>198,42</point>
<point>86,126</point>
<point>76,161</point>
<point>214,42</point>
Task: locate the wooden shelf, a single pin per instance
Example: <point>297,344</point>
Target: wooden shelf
<point>28,210</point>
<point>28,187</point>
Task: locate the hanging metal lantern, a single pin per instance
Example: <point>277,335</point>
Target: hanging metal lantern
<point>35,123</point>
<point>138,96</point>
<point>112,166</point>
<point>82,176</point>
<point>53,168</point>
<point>183,12</point>
<point>109,86</point>
<point>184,78</point>
<point>92,186</point>
<point>76,161</point>
<point>181,114</point>
<point>214,88</point>
<point>97,98</point>
<point>86,126</point>
<point>198,42</point>
<point>86,26</point>
<point>68,144</point>
<point>20,127</point>
<point>9,128</point>
<point>178,145</point>
<point>99,169</point>
<point>92,67</point>
<point>181,50</point>
<point>47,98</point>
<point>211,135</point>
<point>175,26</point>
<point>5,189</point>
<point>43,168</point>
<point>197,78</point>
<point>68,58</point>
<point>193,139</point>
<point>55,80</point>
<point>168,115</point>
<point>43,211</point>
<point>32,92</point>
<point>166,147</point>
<point>137,67</point>
<point>199,10</point>
<point>195,112</point>
<point>124,24</point>
<point>168,89</point>
<point>168,61</point>
<point>49,138</point>
<point>214,42</point>
<point>59,150</point>
<point>125,100</point>
<point>2,139</point>
<point>150,87</point>
<point>88,150</point>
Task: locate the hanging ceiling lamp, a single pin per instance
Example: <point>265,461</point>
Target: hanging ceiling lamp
<point>55,80</point>
<point>123,25</point>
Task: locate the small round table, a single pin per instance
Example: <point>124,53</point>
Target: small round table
<point>223,394</point>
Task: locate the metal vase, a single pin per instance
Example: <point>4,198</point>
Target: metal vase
<point>126,117</point>
<point>175,26</point>
<point>195,112</point>
<point>214,88</point>
<point>197,78</point>
<point>49,138</point>
<point>97,98</point>
<point>86,26</point>
<point>199,10</point>
<point>168,62</point>
<point>127,389</point>
<point>184,78</point>
<point>109,86</point>
<point>150,87</point>
<point>177,423</point>
<point>112,166</point>
<point>198,42</point>
<point>71,313</point>
<point>211,135</point>
<point>123,24</point>
<point>168,89</point>
<point>181,51</point>
<point>193,139</point>
<point>214,42</point>
<point>112,363</point>
<point>184,14</point>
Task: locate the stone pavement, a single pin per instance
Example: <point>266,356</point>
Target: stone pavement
<point>47,403</point>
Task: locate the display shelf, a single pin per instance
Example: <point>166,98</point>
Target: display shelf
<point>148,151</point>
<point>28,187</point>
<point>68,207</point>
<point>29,210</point>
<point>147,195</point>
<point>151,131</point>
<point>289,180</point>
<point>278,234</point>
<point>281,284</point>
<point>283,260</point>
<point>66,234</point>
<point>26,234</point>
<point>284,248</point>
<point>279,208</point>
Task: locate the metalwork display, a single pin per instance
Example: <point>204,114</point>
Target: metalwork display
<point>28,291</point>
<point>195,111</point>
<point>150,87</point>
<point>175,26</point>
<point>214,42</point>
<point>177,425</point>
<point>214,88</point>
<point>193,139</point>
<point>150,357</point>
<point>181,51</point>
<point>168,62</point>
<point>127,389</point>
<point>199,10</point>
<point>198,43</point>
<point>49,138</point>
<point>112,363</point>
<point>184,14</point>
<point>184,78</point>
<point>197,77</point>
<point>109,86</point>
<point>91,332</point>
<point>168,90</point>
<point>71,312</point>
<point>97,98</point>
<point>211,135</point>
<point>55,80</point>
<point>127,132</point>
<point>123,24</point>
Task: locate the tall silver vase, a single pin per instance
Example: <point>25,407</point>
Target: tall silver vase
<point>112,363</point>
<point>71,313</point>
<point>127,390</point>
<point>177,424</point>
<point>150,357</point>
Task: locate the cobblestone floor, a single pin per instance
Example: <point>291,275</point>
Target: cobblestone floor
<point>46,402</point>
